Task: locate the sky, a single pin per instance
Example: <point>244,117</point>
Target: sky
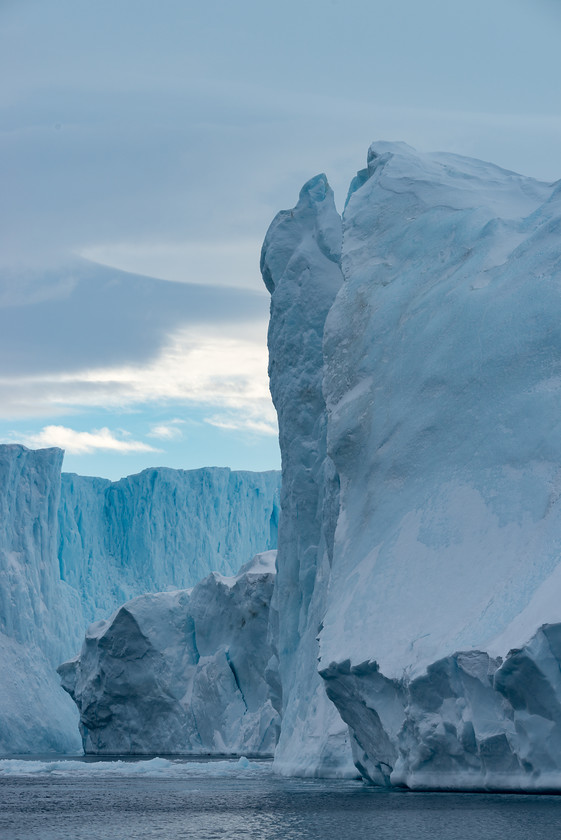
<point>146,146</point>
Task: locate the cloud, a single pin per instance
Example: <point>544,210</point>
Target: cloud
<point>83,443</point>
<point>167,431</point>
<point>266,426</point>
<point>217,370</point>
<point>122,124</point>
<point>94,316</point>
<point>219,263</point>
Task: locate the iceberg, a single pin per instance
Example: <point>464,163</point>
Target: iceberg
<point>181,672</point>
<point>73,549</point>
<point>439,610</point>
<point>442,417</point>
<point>412,632</point>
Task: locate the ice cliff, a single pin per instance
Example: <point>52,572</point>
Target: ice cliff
<point>441,376</point>
<point>161,528</point>
<point>181,672</point>
<point>301,267</point>
<point>72,549</point>
<point>39,613</point>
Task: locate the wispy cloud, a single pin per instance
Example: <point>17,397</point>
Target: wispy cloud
<point>83,443</point>
<point>217,371</point>
<point>219,263</point>
<point>266,426</point>
<point>167,431</point>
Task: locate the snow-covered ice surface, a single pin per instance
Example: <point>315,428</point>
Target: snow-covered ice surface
<point>181,672</point>
<point>72,549</point>
<point>300,264</point>
<point>443,389</point>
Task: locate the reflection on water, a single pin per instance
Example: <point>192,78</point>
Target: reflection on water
<point>252,803</point>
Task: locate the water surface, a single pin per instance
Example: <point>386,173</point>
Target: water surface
<point>204,800</point>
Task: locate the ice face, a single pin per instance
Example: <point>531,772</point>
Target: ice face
<point>73,549</point>
<point>300,263</point>
<point>442,362</point>
<point>40,615</point>
<point>161,528</point>
<point>181,672</point>
<point>442,384</point>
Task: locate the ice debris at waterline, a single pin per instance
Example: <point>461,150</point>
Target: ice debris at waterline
<point>181,672</point>
<point>469,722</point>
<point>441,375</point>
<point>74,548</point>
<point>154,767</point>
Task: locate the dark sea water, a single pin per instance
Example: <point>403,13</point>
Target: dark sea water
<point>228,800</point>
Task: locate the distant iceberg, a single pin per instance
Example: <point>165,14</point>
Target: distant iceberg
<point>73,548</point>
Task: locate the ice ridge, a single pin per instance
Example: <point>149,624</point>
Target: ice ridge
<point>300,264</point>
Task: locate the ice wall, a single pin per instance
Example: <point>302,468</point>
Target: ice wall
<point>40,614</point>
<point>443,387</point>
<point>181,672</point>
<point>161,528</point>
<point>72,550</point>
<point>300,264</point>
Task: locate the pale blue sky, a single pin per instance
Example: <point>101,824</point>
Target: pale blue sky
<point>160,138</point>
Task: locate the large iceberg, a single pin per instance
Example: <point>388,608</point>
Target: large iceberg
<point>72,549</point>
<point>441,375</point>
<point>181,672</point>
